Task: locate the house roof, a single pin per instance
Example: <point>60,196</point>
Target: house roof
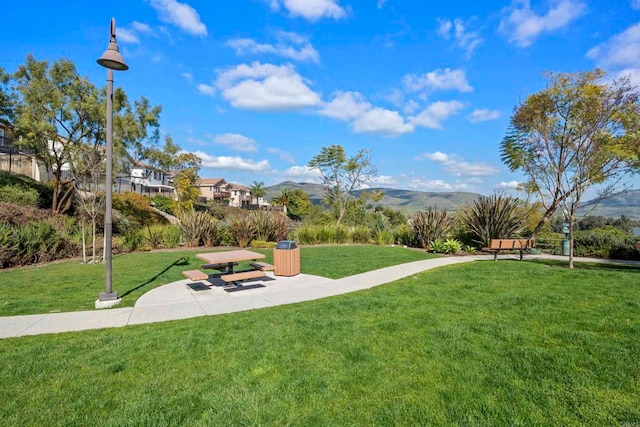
<point>239,187</point>
<point>210,181</point>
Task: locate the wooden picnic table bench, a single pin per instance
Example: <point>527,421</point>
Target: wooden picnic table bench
<point>258,265</point>
<point>245,275</point>
<point>195,275</point>
<point>224,266</point>
<point>499,245</point>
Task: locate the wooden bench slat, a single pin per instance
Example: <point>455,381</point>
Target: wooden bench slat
<point>195,275</point>
<point>498,245</point>
<point>237,277</point>
<point>261,265</point>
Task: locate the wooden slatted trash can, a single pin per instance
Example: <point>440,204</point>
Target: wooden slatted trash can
<point>286,258</point>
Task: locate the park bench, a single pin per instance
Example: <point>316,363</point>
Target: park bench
<point>261,266</point>
<point>195,275</point>
<point>499,245</point>
<point>245,275</point>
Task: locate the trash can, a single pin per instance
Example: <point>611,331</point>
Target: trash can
<point>286,258</point>
<point>565,247</point>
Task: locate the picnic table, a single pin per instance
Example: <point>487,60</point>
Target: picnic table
<point>229,258</point>
<point>226,260</point>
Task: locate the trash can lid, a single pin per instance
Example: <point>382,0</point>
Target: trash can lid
<point>286,244</point>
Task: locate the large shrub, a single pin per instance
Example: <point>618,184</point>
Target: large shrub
<point>19,195</point>
<point>606,242</point>
<point>241,230</point>
<point>494,217</point>
<point>430,225</point>
<point>45,192</point>
<point>136,209</point>
<point>34,242</point>
<point>162,203</point>
<point>193,225</point>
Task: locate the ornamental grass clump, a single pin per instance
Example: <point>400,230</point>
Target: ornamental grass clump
<point>430,225</point>
<point>494,217</point>
<point>241,229</point>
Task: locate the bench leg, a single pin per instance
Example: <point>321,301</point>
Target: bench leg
<point>520,255</point>
<point>495,256</point>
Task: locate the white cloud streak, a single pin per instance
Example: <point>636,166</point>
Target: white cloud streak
<point>456,166</point>
<point>311,10</point>
<point>233,163</point>
<point>301,50</point>
<point>181,15</point>
<point>266,87</point>
<point>480,115</point>
<point>236,142</point>
<point>522,25</point>
<point>446,79</point>
<point>437,112</point>
<point>464,39</point>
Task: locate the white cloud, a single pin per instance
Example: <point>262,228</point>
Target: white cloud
<point>364,118</point>
<point>345,106</point>
<point>437,112</point>
<point>509,185</point>
<point>284,155</point>
<point>266,87</point>
<point>381,121</point>
<point>181,15</point>
<point>483,115</point>
<point>456,166</point>
<point>232,163</point>
<point>310,9</point>
<point>302,174</point>
<point>466,40</point>
<point>188,77</point>
<point>446,79</point>
<point>141,27</point>
<point>126,35</point>
<point>621,50</point>
<point>206,89</point>
<point>429,185</point>
<point>302,51</point>
<point>522,25</point>
<point>236,142</point>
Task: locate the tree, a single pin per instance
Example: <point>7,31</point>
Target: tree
<point>185,188</point>
<point>171,158</point>
<point>282,199</point>
<point>576,133</point>
<point>257,191</point>
<point>341,176</point>
<point>6,101</point>
<point>56,111</point>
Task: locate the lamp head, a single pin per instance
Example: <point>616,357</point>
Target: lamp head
<point>112,58</point>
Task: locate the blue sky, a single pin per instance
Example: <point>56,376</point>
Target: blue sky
<point>258,87</point>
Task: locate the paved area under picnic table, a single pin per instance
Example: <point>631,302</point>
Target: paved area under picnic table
<point>186,299</point>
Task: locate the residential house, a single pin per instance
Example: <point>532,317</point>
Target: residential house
<point>240,196</point>
<point>213,189</point>
<point>145,179</point>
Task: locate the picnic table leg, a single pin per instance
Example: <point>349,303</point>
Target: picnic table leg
<point>230,268</point>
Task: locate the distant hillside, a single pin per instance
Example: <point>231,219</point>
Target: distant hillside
<point>625,203</point>
<point>403,200</point>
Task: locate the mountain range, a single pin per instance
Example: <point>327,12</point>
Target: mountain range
<point>624,203</point>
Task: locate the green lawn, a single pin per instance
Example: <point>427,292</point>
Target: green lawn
<point>72,286</point>
<point>483,343</point>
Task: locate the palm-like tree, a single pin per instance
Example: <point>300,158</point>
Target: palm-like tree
<point>257,190</point>
<point>282,199</point>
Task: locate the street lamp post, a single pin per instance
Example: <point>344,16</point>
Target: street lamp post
<point>112,60</point>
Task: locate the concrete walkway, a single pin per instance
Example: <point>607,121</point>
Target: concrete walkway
<point>185,299</point>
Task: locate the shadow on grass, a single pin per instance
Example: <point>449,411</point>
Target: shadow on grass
<point>180,261</point>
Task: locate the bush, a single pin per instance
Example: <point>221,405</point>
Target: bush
<point>306,235</point>
<point>45,192</point>
<point>37,241</point>
<point>261,244</point>
<point>361,234</point>
<point>452,246</point>
<point>383,237</point>
<point>606,242</point>
<point>494,217</point>
<point>430,225</point>
<point>241,230</point>
<point>172,236</point>
<point>406,236</point>
<point>135,207</point>
<point>19,195</point>
<point>193,226</point>
<point>162,203</point>
<point>270,226</point>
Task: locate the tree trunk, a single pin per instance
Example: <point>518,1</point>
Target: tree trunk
<point>84,243</point>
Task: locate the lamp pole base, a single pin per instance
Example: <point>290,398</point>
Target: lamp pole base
<point>108,299</point>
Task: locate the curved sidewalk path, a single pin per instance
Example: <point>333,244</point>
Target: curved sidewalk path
<point>177,300</point>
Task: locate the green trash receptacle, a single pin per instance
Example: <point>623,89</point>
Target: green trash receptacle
<point>565,246</point>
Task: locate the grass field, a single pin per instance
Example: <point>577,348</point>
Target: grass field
<point>483,343</point>
<point>72,286</point>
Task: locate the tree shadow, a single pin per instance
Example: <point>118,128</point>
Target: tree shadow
<point>620,266</point>
<point>182,261</point>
